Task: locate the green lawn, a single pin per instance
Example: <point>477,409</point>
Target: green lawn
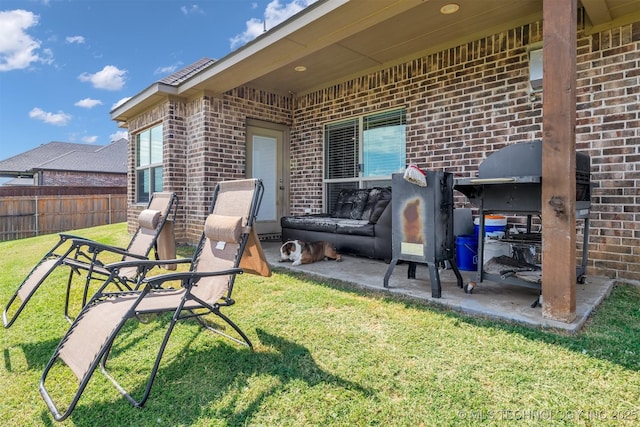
<point>328,354</point>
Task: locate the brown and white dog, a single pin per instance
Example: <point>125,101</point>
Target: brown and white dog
<point>307,252</point>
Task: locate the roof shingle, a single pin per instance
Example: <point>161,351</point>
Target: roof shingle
<point>111,158</point>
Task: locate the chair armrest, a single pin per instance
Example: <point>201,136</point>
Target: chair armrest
<point>100,247</point>
<point>67,236</point>
<point>148,263</point>
<point>188,276</point>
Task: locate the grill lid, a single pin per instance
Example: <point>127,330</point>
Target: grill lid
<point>523,159</point>
<point>515,160</point>
<point>521,163</point>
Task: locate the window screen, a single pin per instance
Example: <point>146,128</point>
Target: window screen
<point>341,150</point>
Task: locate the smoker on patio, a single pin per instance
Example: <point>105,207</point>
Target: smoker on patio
<point>422,226</point>
<point>509,181</point>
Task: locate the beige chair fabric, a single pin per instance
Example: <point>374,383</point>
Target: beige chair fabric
<point>253,259</point>
<point>85,255</point>
<point>223,228</point>
<point>149,234</point>
<point>204,289</point>
<point>166,245</point>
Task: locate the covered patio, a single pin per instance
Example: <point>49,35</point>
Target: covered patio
<point>489,299</point>
<point>465,78</point>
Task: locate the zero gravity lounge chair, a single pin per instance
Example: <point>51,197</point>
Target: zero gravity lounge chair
<point>155,231</point>
<point>228,241</point>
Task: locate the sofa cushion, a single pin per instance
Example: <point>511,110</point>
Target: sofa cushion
<point>310,222</point>
<point>378,200</point>
<point>357,227</point>
<point>351,203</point>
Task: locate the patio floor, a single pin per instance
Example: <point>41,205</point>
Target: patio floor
<point>490,299</point>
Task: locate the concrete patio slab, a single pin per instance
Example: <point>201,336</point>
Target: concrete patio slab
<point>489,299</point>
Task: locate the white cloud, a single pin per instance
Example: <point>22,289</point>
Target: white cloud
<point>18,50</point>
<point>194,8</point>
<point>89,139</point>
<point>75,39</point>
<point>119,135</point>
<point>275,13</point>
<point>255,27</point>
<point>88,103</point>
<point>109,78</point>
<point>59,119</point>
<point>169,69</point>
<point>120,102</point>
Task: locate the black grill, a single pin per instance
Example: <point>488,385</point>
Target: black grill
<point>509,181</point>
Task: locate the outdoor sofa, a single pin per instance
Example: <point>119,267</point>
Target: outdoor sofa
<point>360,224</point>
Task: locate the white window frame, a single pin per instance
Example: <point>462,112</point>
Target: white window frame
<point>149,159</point>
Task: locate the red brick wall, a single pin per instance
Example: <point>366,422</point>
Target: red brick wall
<point>462,104</point>
<point>69,178</point>
<point>608,128</point>
<point>466,102</point>
<point>204,143</point>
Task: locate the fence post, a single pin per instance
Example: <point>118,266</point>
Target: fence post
<point>37,217</point>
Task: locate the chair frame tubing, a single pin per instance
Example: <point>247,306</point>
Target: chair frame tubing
<point>146,286</point>
<point>85,260</point>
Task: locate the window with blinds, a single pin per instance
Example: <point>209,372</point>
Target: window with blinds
<point>341,150</point>
<point>363,152</point>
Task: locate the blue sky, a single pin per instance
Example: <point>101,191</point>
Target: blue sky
<point>64,64</point>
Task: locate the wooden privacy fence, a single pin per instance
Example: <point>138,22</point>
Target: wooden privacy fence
<point>33,215</point>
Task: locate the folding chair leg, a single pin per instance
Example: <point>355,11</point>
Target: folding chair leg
<point>139,403</point>
<point>26,290</point>
<point>245,340</point>
<point>57,414</point>
<point>84,369</point>
<point>68,294</point>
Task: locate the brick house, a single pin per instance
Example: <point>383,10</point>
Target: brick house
<point>450,88</point>
<point>68,164</point>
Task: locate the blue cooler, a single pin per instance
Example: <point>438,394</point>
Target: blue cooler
<point>495,226</point>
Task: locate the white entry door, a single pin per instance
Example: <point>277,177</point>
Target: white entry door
<point>265,160</point>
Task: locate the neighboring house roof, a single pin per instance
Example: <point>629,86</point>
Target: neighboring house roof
<point>111,158</point>
<point>336,40</point>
